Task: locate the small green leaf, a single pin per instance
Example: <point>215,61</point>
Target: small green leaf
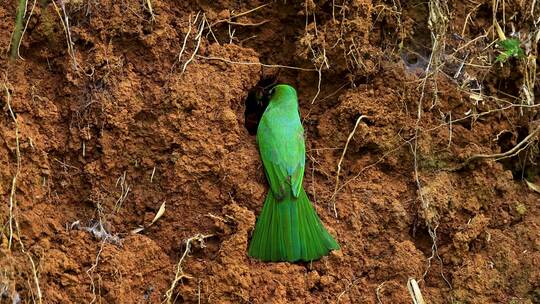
<point>510,48</point>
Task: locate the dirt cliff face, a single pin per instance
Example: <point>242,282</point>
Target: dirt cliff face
<point>147,107</point>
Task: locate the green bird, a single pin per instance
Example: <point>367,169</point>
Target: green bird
<point>288,228</point>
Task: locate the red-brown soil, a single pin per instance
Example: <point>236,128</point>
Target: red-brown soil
<point>110,131</point>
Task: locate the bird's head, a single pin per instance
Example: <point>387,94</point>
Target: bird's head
<point>283,93</point>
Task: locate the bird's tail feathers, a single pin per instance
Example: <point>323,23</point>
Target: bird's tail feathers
<point>290,230</point>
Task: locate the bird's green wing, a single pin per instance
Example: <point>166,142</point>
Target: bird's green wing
<point>282,148</point>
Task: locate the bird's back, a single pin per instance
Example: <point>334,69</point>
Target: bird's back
<point>280,132</point>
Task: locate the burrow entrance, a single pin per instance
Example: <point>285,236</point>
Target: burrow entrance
<point>256,102</point>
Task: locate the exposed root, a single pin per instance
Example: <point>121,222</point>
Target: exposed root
<point>435,254</point>
<point>152,175</point>
<point>521,146</point>
<point>99,231</point>
<point>468,17</point>
<point>24,30</point>
<point>198,38</point>
<point>35,277</point>
<point>529,79</point>
<point>318,53</point>
<point>91,270</point>
<point>12,200</point>
<point>150,10</point>
<point>347,289</point>
<point>394,11</point>
<point>99,228</point>
<point>341,160</point>
<point>179,274</point>
<point>320,168</point>
<point>374,163</point>
<point>256,63</point>
<point>182,50</point>
<point>319,71</point>
<point>248,24</point>
<point>187,35</point>
<point>475,116</point>
<point>438,24</point>
<point>229,20</point>
<point>378,292</point>
<point>124,191</point>
<point>65,24</point>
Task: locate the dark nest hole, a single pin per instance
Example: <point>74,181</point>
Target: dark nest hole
<point>256,103</point>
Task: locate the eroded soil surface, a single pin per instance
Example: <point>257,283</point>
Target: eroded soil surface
<point>149,106</point>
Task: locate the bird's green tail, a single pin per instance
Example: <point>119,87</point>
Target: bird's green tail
<point>290,230</point>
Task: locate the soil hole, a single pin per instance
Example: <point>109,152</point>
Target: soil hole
<point>411,59</point>
<point>256,102</point>
<point>421,238</point>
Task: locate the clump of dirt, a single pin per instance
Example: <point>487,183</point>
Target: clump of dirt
<point>158,107</point>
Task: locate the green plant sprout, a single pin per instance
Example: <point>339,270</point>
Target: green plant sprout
<point>510,48</point>
<point>17,32</point>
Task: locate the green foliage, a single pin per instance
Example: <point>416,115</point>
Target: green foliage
<point>510,48</point>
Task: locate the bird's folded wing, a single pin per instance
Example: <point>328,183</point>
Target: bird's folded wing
<point>284,160</point>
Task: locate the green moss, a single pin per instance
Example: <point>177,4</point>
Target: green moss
<point>433,163</point>
<point>535,295</point>
<point>48,24</point>
<point>521,209</point>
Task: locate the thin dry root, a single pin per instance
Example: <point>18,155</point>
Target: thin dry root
<point>179,275</point>
<point>257,63</point>
<point>498,156</point>
<point>341,160</point>
<point>65,24</point>
<point>12,199</point>
<point>378,292</point>
<point>150,10</point>
<point>90,271</point>
<point>347,289</point>
<point>198,38</point>
<point>229,20</point>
